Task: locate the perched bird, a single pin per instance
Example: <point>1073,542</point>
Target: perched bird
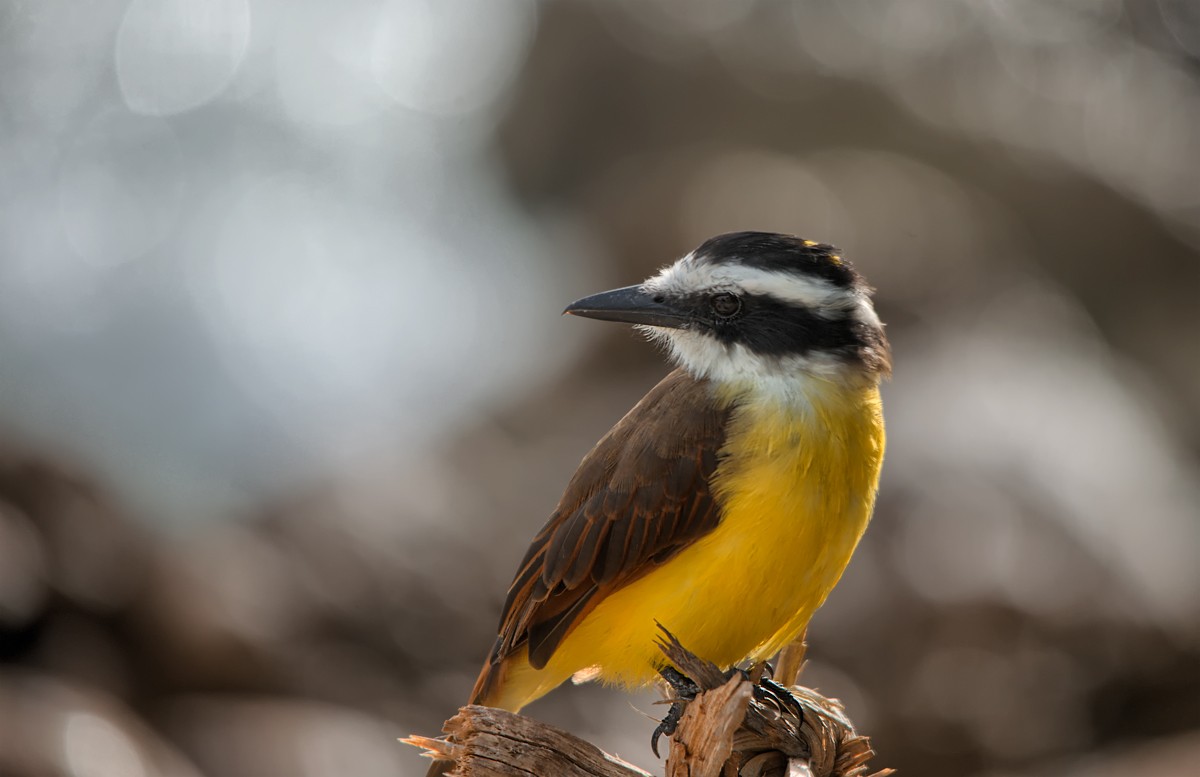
<point>726,504</point>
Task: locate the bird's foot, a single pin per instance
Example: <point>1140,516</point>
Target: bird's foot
<point>766,688</point>
<point>683,685</point>
<point>685,690</point>
<point>759,676</point>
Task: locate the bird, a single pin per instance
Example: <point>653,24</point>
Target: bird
<point>726,504</point>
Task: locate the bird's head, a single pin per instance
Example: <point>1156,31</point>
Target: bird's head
<point>755,305</point>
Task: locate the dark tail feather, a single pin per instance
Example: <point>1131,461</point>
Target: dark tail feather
<point>489,679</point>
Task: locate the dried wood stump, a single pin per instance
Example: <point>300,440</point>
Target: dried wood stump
<point>738,725</point>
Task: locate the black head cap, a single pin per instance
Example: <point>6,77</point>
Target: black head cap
<point>780,253</point>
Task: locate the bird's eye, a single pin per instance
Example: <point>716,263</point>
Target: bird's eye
<point>726,305</point>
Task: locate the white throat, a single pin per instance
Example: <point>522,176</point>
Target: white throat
<point>790,380</point>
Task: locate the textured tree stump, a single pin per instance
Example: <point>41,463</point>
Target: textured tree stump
<point>738,725</point>
<point>487,742</point>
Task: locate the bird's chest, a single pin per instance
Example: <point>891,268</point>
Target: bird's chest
<point>796,487</point>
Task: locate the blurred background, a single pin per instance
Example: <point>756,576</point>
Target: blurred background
<point>284,390</point>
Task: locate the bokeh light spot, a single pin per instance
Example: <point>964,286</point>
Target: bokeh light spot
<point>94,747</point>
<point>417,51</point>
<point>175,55</point>
<point>121,188</point>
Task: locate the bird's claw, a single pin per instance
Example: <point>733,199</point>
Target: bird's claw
<point>685,690</point>
<point>667,725</point>
<point>767,689</point>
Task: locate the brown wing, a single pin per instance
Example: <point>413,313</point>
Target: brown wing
<point>638,498</point>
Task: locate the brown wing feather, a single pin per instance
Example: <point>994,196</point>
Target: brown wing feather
<point>638,498</point>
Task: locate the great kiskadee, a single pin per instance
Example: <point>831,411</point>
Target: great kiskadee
<point>726,504</point>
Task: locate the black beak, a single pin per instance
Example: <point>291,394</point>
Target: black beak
<point>632,305</point>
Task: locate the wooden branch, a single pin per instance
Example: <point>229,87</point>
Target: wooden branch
<point>703,741</point>
<point>774,736</point>
<point>739,725</point>
<point>488,742</point>
<point>791,662</point>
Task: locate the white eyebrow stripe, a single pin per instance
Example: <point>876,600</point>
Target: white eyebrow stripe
<point>685,276</point>
<point>813,293</point>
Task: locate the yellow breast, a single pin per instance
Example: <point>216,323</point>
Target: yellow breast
<point>797,490</point>
<point>796,484</point>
